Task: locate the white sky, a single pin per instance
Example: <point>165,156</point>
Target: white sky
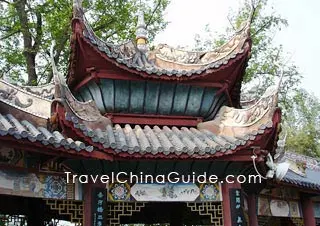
<point>300,38</point>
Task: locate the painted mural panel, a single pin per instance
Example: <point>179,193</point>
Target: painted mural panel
<point>37,185</point>
<point>166,192</point>
<point>278,207</point>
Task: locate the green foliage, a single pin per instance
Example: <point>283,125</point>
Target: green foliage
<point>300,110</point>
<point>303,124</point>
<point>50,20</point>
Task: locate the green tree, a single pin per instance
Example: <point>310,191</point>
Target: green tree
<point>301,110</point>
<point>28,27</point>
<point>268,61</point>
<point>303,124</point>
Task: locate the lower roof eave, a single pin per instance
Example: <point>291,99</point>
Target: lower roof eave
<point>38,147</point>
<point>312,189</point>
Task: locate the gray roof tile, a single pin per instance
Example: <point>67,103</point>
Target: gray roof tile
<point>135,139</point>
<point>311,180</point>
<point>9,125</point>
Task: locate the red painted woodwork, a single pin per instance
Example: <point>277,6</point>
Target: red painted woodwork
<point>252,209</point>
<point>87,204</point>
<point>88,188</point>
<point>226,202</point>
<point>144,119</point>
<point>86,55</point>
<point>307,211</point>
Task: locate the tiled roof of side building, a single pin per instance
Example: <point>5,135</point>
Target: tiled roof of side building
<point>304,171</point>
<point>311,179</point>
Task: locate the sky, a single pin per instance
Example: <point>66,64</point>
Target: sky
<point>300,39</point>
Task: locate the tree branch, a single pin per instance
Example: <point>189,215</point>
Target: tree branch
<point>104,25</point>
<point>265,25</point>
<point>9,35</point>
<point>39,33</point>
<point>153,12</point>
<point>4,1</point>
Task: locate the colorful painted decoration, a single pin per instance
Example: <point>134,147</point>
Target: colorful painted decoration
<point>294,209</point>
<point>36,185</point>
<point>165,192</point>
<point>210,192</point>
<point>263,207</point>
<point>278,208</point>
<point>55,187</point>
<point>119,192</point>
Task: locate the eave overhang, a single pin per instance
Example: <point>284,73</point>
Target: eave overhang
<point>221,66</point>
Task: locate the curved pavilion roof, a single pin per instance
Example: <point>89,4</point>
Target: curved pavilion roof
<point>78,128</point>
<point>164,62</point>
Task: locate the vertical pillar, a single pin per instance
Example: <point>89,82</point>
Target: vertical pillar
<point>227,218</point>
<point>252,210</point>
<point>87,204</point>
<point>94,204</point>
<point>307,210</point>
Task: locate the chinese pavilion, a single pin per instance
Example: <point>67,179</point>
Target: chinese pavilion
<point>124,108</point>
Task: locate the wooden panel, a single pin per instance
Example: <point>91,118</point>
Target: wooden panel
<point>137,97</point>
<point>107,87</point>
<point>85,93</point>
<point>208,97</point>
<point>122,95</point>
<point>96,94</point>
<point>180,99</point>
<point>194,101</point>
<point>166,99</point>
<point>152,98</point>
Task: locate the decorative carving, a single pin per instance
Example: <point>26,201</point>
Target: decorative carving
<point>116,210</point>
<point>21,99</point>
<point>249,116</point>
<point>11,95</point>
<point>85,111</point>
<point>234,46</point>
<point>70,208</point>
<point>46,91</point>
<point>211,209</point>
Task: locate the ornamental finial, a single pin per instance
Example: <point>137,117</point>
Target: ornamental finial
<point>141,33</point>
